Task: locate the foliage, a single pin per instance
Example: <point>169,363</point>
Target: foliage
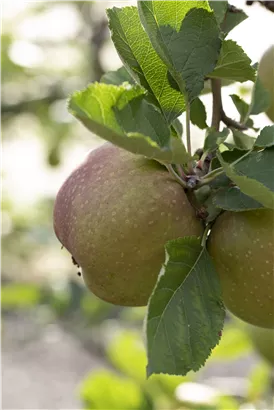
<point>33,105</point>
<point>185,44</point>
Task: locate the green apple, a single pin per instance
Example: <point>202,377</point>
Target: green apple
<point>266,75</point>
<point>114,214</point>
<point>241,245</point>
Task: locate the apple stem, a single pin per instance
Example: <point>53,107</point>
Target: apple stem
<point>176,176</point>
<point>205,234</point>
<point>188,138</point>
<point>209,177</point>
<point>188,135</point>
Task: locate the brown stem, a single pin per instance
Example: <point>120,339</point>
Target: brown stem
<point>218,113</point>
<point>230,123</point>
<point>269,5</point>
<point>217,106</point>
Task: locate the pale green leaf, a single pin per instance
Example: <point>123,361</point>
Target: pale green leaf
<point>105,389</point>
<point>20,296</point>
<point>259,382</point>
<point>122,115</point>
<point>234,344</point>
<point>126,352</point>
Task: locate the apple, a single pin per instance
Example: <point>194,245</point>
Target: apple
<point>114,214</point>
<point>266,75</point>
<point>241,245</point>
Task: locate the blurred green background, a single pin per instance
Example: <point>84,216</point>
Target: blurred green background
<point>63,348</point>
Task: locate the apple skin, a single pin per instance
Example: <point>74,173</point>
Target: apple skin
<point>266,75</point>
<point>263,341</point>
<point>114,214</point>
<point>241,245</point>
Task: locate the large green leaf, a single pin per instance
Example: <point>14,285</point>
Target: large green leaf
<point>122,115</point>
<point>219,8</point>
<point>266,137</point>
<point>140,58</point>
<point>233,199</point>
<point>254,175</point>
<point>233,64</point>
<point>185,313</point>
<point>186,38</point>
<point>232,19</point>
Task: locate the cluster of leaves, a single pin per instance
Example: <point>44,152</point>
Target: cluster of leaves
<point>125,353</point>
<point>169,49</point>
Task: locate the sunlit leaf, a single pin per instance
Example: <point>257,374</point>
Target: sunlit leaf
<point>123,116</point>
<point>140,58</point>
<point>186,38</point>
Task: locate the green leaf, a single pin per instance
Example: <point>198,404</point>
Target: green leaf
<point>233,154</point>
<point>266,137</point>
<point>254,175</point>
<point>219,8</point>
<point>233,63</point>
<point>122,115</point>
<point>106,390</point>
<point>127,353</point>
<point>259,382</point>
<point>185,313</point>
<point>214,138</point>
<point>20,296</point>
<point>142,61</point>
<point>232,199</point>
<point>241,105</point>
<point>243,141</point>
<point>234,344</point>
<point>198,113</point>
<point>117,77</point>
<point>260,99</point>
<point>232,19</point>
<point>186,38</point>
<point>178,127</point>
